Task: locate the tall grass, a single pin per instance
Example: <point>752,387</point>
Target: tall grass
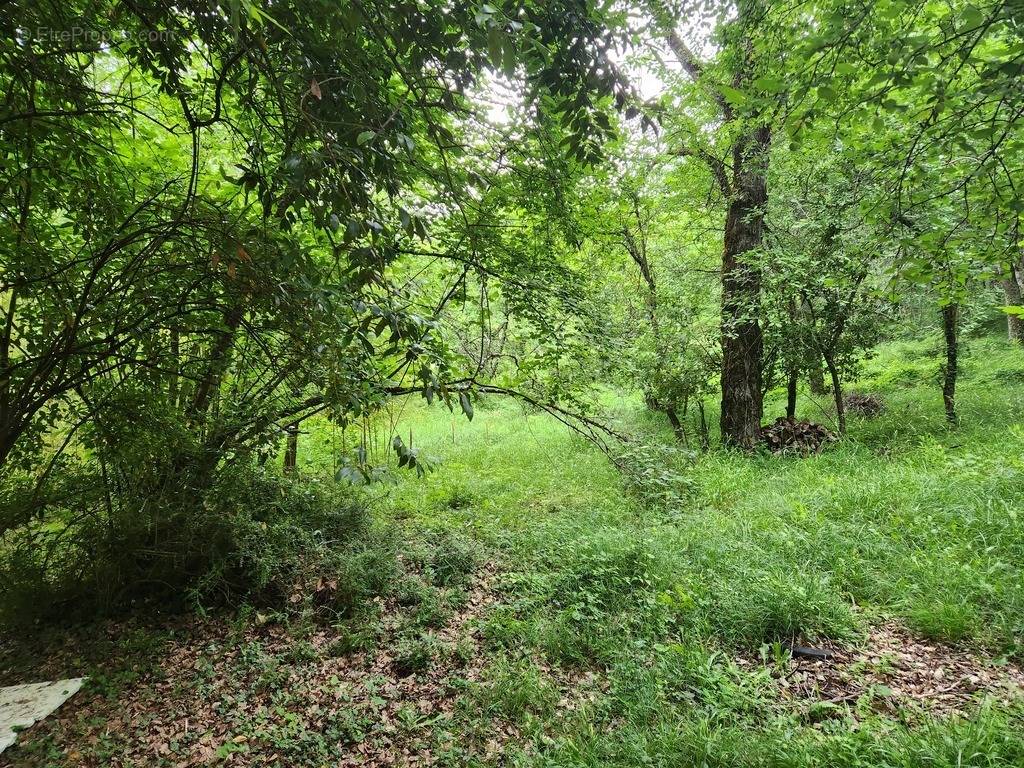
<point>906,517</point>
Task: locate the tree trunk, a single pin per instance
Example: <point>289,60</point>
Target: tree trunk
<point>791,393</point>
<point>816,379</point>
<point>291,451</point>
<point>677,425</point>
<point>1012,290</point>
<point>950,314</point>
<point>220,358</point>
<point>837,394</point>
<point>747,192</point>
<point>742,341</point>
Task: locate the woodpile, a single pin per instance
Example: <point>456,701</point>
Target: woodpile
<point>795,436</point>
<point>863,404</point>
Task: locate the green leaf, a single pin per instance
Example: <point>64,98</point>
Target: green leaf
<point>406,141</point>
<point>508,61</point>
<point>495,44</point>
<point>972,16</point>
<point>365,136</point>
<point>770,84</point>
<point>733,96</point>
<point>467,406</point>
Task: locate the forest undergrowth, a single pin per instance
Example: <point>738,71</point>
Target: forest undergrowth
<point>546,612</point>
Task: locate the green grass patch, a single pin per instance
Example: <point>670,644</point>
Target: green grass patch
<point>657,587</point>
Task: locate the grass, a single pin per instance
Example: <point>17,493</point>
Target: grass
<point>906,518</point>
<point>621,614</point>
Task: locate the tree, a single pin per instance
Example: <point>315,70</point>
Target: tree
<point>928,96</point>
<point>741,181</point>
<point>647,270</point>
<point>825,267</point>
<point>216,222</point>
<point>1011,281</point>
<point>308,212</point>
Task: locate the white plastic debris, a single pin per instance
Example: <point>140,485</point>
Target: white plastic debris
<point>22,705</point>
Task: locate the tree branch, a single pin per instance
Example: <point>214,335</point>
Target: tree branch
<point>715,164</point>
<point>695,69</point>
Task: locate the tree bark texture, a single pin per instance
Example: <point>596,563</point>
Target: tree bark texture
<point>742,340</point>
<point>950,315</point>
<point>1012,290</point>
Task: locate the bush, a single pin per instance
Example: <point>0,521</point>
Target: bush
<point>657,474</point>
<point>446,559</point>
<point>251,535</point>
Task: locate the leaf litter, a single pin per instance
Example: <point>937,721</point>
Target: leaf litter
<point>263,694</point>
<point>897,673</point>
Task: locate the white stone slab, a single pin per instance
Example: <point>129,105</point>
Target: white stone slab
<point>22,705</point>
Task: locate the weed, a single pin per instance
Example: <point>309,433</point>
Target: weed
<point>517,691</point>
<point>453,558</point>
<point>416,654</point>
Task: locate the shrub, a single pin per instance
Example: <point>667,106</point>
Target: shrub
<point>250,535</point>
<point>446,559</point>
<point>656,474</point>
